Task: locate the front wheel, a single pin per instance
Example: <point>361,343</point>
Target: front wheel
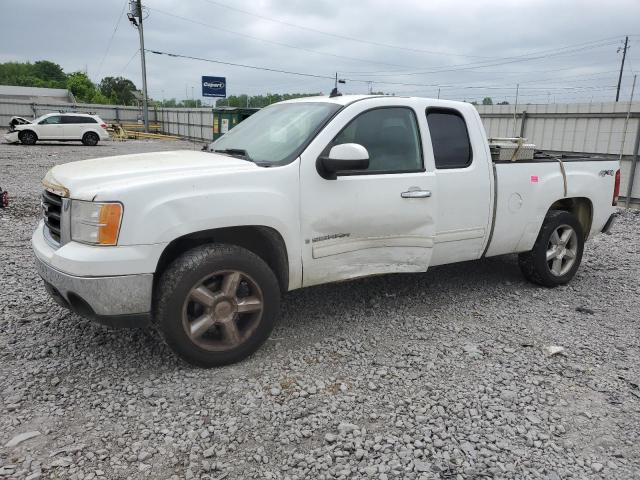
<point>27,137</point>
<point>556,255</point>
<point>217,304</point>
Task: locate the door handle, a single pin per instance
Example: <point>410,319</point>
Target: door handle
<point>416,194</point>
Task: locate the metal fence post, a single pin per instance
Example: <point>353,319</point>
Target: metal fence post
<point>632,170</point>
<point>523,122</point>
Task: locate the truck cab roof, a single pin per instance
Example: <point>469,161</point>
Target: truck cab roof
<point>349,99</point>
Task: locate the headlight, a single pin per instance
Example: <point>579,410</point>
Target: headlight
<point>95,223</point>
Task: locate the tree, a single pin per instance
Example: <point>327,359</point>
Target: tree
<point>171,103</point>
<point>81,86</point>
<point>504,102</point>
<point>40,74</point>
<point>118,90</point>
<point>259,101</point>
<point>189,103</point>
<point>47,70</point>
<point>487,101</point>
<point>99,98</point>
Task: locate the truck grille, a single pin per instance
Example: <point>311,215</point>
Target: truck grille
<point>52,211</point>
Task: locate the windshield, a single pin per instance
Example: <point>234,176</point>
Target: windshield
<point>276,134</point>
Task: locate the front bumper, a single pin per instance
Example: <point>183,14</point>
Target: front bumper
<point>111,285</point>
<point>12,137</point>
<point>116,301</point>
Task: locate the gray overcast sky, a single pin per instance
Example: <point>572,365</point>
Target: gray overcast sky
<point>76,33</point>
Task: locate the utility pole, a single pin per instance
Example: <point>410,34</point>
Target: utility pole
<point>334,92</point>
<point>515,110</point>
<point>624,54</point>
<point>135,17</point>
<point>438,93</point>
<point>624,136</point>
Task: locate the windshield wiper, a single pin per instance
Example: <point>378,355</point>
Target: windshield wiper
<point>236,152</point>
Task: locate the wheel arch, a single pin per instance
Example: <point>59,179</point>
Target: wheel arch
<point>21,132</point>
<point>266,242</point>
<point>88,131</point>
<point>581,207</point>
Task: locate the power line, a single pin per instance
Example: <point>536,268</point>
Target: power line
<point>331,77</point>
<point>581,78</point>
<point>507,60</point>
<point>135,54</point>
<point>221,62</point>
<point>545,53</point>
<point>341,37</point>
<point>273,42</point>
<point>585,77</point>
<point>113,34</point>
<point>512,72</point>
<point>512,59</point>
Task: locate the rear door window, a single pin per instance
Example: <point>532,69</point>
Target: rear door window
<point>68,119</point>
<point>449,138</point>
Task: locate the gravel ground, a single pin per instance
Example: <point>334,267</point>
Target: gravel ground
<point>440,375</point>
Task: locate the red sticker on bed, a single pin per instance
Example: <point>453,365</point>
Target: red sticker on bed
<point>534,178</point>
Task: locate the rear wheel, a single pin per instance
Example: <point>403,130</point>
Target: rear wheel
<point>217,304</point>
<point>90,139</point>
<point>557,253</point>
<point>27,137</point>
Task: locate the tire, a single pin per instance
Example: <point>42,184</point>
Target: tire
<point>557,253</point>
<point>227,292</point>
<point>90,139</point>
<point>28,137</point>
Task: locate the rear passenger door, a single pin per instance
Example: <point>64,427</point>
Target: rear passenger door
<point>464,174</point>
<point>74,126</point>
<point>51,128</point>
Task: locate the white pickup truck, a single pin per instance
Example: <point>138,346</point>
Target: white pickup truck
<point>304,192</point>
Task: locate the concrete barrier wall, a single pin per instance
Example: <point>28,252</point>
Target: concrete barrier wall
<point>593,128</point>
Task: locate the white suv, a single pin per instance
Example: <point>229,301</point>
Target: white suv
<point>89,129</point>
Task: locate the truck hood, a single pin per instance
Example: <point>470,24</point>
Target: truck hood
<point>87,179</point>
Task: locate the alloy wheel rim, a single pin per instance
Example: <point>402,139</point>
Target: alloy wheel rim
<point>562,250</point>
<point>222,310</point>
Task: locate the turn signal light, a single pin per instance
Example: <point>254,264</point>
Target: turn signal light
<point>110,215</point>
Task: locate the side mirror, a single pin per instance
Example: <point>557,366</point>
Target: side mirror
<point>342,158</point>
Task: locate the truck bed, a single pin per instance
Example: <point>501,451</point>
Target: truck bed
<point>520,186</point>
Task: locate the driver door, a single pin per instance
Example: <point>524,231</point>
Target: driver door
<point>374,221</point>
<point>51,128</point>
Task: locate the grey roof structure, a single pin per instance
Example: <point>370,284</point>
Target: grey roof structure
<point>36,94</point>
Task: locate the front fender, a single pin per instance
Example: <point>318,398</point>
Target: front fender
<point>163,211</point>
